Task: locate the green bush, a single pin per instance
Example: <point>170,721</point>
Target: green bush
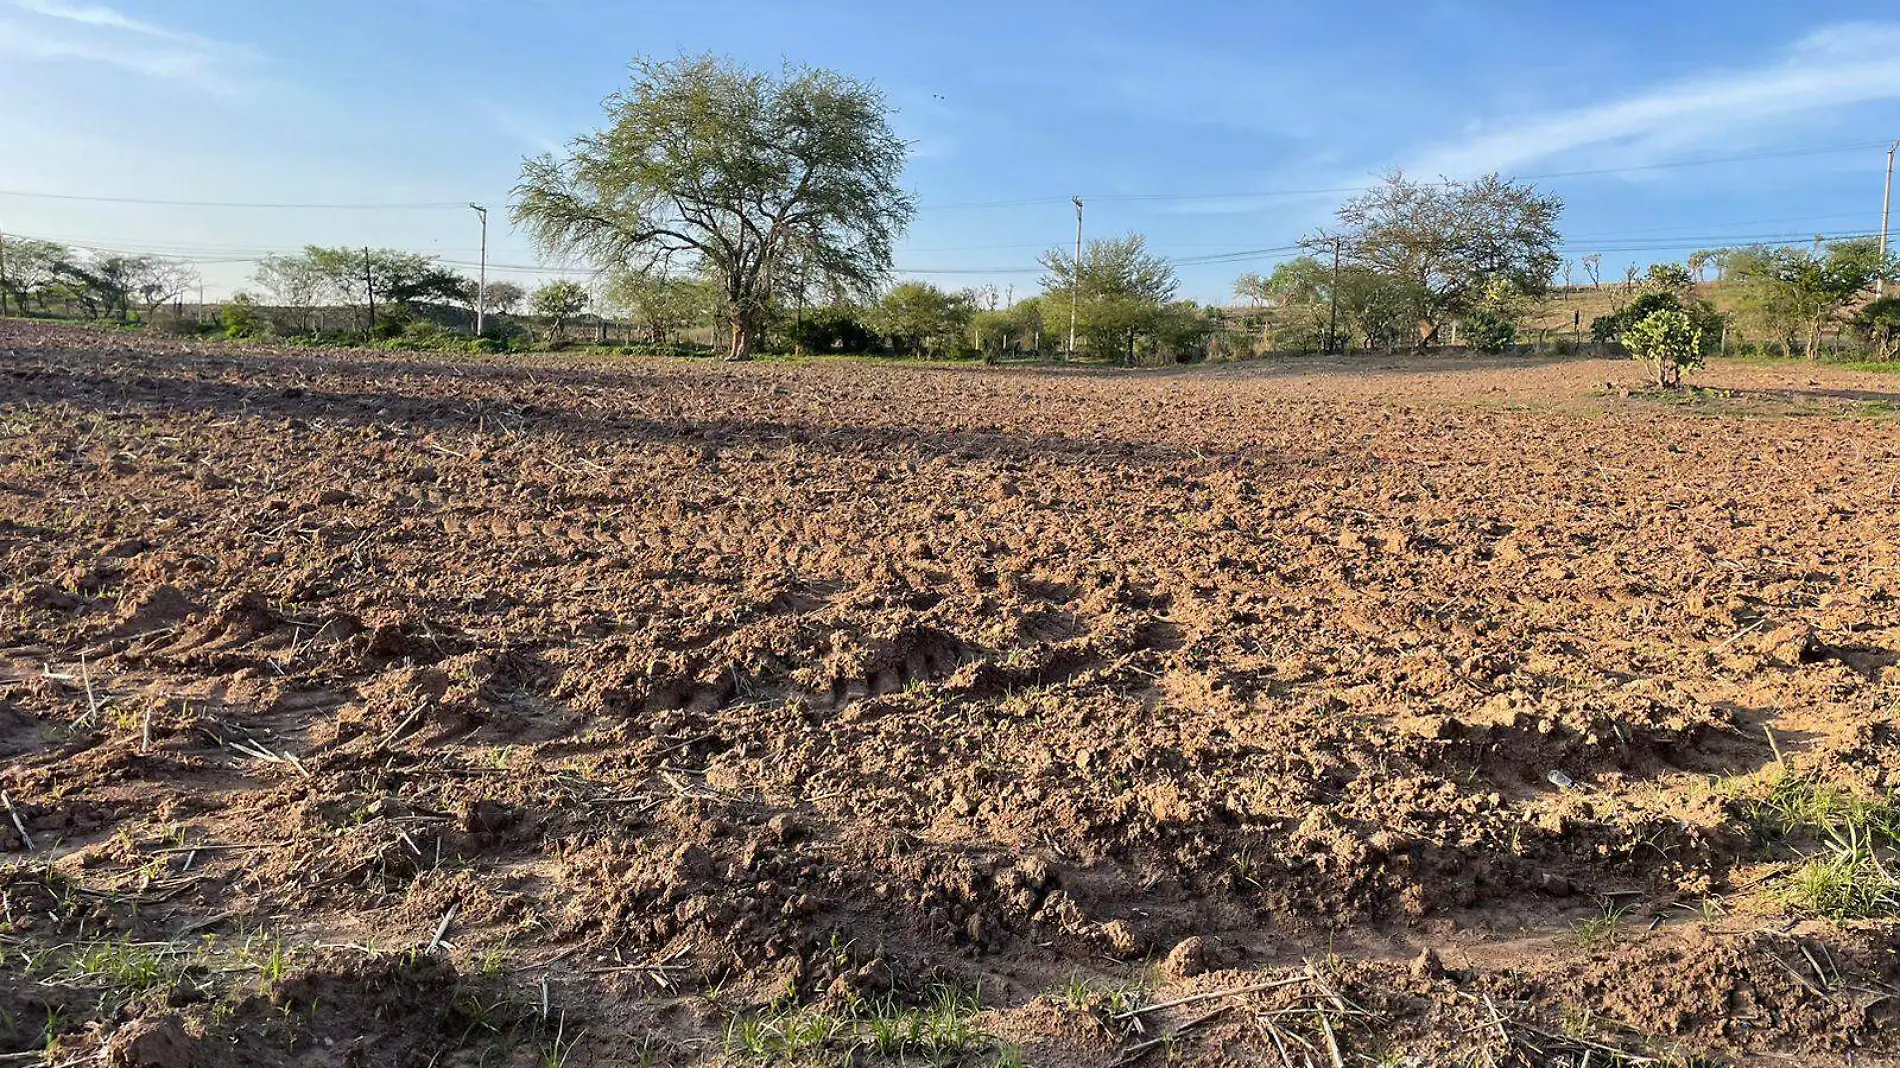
<point>829,330</point>
<point>1488,332</point>
<point>1669,341</point>
<point>1609,329</point>
<point>181,326</point>
<point>241,317</point>
<point>1878,325</point>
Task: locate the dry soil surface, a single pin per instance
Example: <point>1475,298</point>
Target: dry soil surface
<point>361,708</point>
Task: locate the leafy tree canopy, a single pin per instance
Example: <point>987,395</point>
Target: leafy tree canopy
<point>559,302</point>
<point>1447,241</point>
<point>663,304</point>
<point>748,178</point>
<point>919,317</point>
<point>1123,292</point>
<point>1799,291</point>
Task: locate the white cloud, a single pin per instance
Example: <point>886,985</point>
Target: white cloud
<point>104,18</point>
<point>93,33</point>
<point>1833,68</point>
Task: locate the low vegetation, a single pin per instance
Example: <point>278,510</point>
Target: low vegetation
<point>939,1031</point>
<point>1845,843</point>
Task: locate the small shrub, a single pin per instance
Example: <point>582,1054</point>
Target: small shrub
<point>241,317</point>
<point>1489,332</point>
<point>1669,341</point>
<point>1600,930</point>
<point>664,348</point>
<point>1609,329</point>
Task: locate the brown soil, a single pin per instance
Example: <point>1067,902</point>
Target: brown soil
<point>679,690</point>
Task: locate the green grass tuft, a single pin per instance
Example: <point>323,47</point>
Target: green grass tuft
<point>1848,876</point>
<point>942,1030</point>
<point>1601,930</point>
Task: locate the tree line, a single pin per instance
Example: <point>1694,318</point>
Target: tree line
<point>42,274</point>
<point>767,204</point>
<point>1407,258</point>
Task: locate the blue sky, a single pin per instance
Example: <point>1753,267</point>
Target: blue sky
<point>1198,124</point>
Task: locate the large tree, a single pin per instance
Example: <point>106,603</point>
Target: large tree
<point>749,177</point>
<point>155,280</point>
<point>360,279</point>
<point>1302,291</point>
<point>1123,290</point>
<point>1447,241</point>
<point>1253,289</point>
<point>505,297</point>
<point>1373,308</point>
<point>102,281</point>
<point>296,284</point>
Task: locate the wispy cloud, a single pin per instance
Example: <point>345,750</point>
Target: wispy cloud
<point>530,130</point>
<point>1832,69</point>
<point>104,18</point>
<point>57,31</point>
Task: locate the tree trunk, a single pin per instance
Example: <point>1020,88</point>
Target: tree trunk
<point>741,339</point>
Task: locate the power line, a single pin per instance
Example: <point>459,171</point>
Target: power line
<point>418,206</point>
<point>1678,229</point>
<point>1784,238</point>
<point>1787,154</point>
<point>973,205</point>
<point>1342,190</point>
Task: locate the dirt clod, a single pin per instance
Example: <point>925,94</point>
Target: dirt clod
<point>156,1042</point>
<point>1187,959</point>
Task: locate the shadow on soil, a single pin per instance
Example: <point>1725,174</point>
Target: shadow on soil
<point>96,386</point>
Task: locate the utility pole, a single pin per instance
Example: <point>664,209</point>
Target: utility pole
<point>1886,215</point>
<point>481,287</point>
<point>369,286</point>
<point>1075,281</point>
<point>1332,325</point>
<point>3,277</point>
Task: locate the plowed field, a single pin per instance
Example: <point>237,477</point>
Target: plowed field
<point>364,708</point>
